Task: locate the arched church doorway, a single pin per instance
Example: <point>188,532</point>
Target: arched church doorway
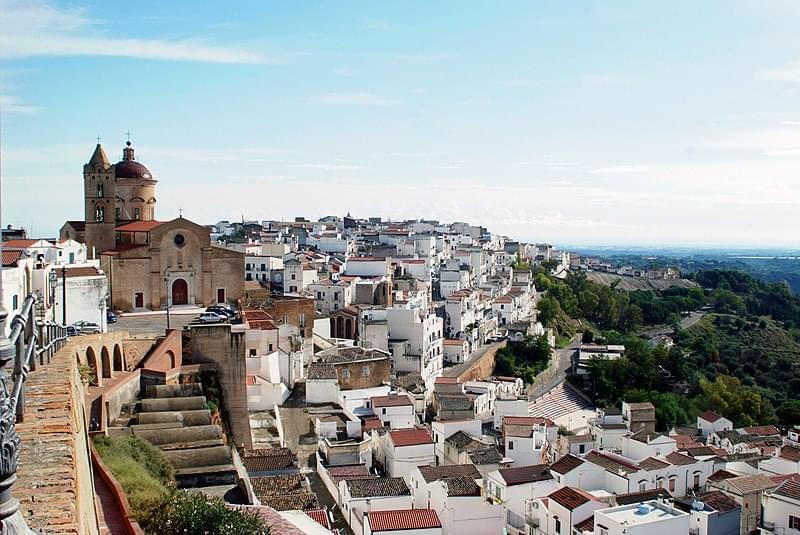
<point>180,292</point>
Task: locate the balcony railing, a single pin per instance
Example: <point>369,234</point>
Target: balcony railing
<point>30,343</point>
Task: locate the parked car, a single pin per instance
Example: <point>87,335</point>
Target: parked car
<point>211,317</point>
<point>221,311</point>
<point>110,316</point>
<point>86,327</point>
<point>72,331</point>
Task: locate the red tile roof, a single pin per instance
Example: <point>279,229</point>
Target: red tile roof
<point>710,416</point>
<point>10,258</point>
<point>446,380</point>
<point>763,430</point>
<point>790,452</point>
<point>570,497</point>
<point>528,420</point>
<point>403,519</point>
<point>400,400</point>
<point>453,342</point>
<point>138,226</point>
<point>320,517</point>
<point>410,437</point>
<point>18,244</point>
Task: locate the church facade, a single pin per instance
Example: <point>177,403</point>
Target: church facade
<point>149,264</point>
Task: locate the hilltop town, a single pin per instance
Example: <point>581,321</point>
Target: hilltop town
<point>357,375</point>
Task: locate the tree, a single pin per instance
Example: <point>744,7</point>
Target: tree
<point>789,412</point>
<point>193,512</point>
<point>548,308</point>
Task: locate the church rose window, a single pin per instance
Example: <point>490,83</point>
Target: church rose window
<point>179,240</point>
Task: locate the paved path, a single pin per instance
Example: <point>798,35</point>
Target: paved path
<point>547,381</point>
<point>108,511</point>
<point>685,323</point>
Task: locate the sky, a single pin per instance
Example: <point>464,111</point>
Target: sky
<point>626,122</point>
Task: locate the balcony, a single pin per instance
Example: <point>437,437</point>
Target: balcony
<point>532,520</point>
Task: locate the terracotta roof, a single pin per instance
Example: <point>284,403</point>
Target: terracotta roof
<point>778,479</point>
<point>267,460</point>
<point>651,463</point>
<point>453,342</point>
<point>752,483</point>
<point>403,519</point>
<point>10,258</point>
<point>485,455</point>
<point>611,464</point>
<point>570,497</point>
<point>763,430</point>
<point>699,451</point>
<point>528,420</point>
<point>719,475</point>
<point>121,248</point>
<point>382,486</point>
<point>18,244</point>
<point>433,473</point>
<point>789,488</point>
<point>519,475</point>
<point>679,459</point>
<point>273,519</point>
<point>641,496</point>
<point>462,486</point>
<point>400,400</point>
<point>349,471</point>
<point>790,452</point>
<point>372,422</point>
<point>250,380</point>
<point>566,464</point>
<point>320,517</point>
<point>587,525</point>
<point>710,416</point>
<point>288,502</point>
<point>275,485</point>
<point>410,437</point>
<point>719,501</point>
<point>321,370</point>
<point>446,380</point>
<point>138,226</point>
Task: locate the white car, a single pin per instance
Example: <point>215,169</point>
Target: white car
<point>210,317</point>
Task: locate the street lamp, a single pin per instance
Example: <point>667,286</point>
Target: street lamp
<point>64,295</point>
<point>52,278</point>
<point>166,298</point>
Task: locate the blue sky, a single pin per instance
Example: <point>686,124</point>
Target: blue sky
<point>571,122</point>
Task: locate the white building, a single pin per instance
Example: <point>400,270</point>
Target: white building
<point>444,429</point>
<point>297,276</point>
<point>563,509</point>
<point>527,439</point>
<point>360,496</point>
<point>330,295</point>
<point>647,518</point>
<point>424,477</point>
<point>456,351</point>
<point>87,294</point>
<point>515,488</point>
<point>462,508</point>
<point>396,411</point>
<point>415,338</point>
<point>711,422</point>
<point>589,352</point>
<point>367,266</point>
<point>508,406</point>
<point>781,511</point>
<point>404,449</point>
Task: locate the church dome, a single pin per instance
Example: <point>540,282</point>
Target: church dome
<point>128,167</point>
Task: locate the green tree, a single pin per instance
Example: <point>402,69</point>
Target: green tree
<point>193,512</point>
<point>588,302</point>
<point>548,308</point>
<point>789,412</point>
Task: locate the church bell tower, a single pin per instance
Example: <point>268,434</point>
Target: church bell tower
<point>99,192</point>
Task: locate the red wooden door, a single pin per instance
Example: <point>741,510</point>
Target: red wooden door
<point>180,292</point>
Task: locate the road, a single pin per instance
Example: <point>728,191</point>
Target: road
<point>455,371</point>
<point>547,381</point>
<point>685,323</point>
<point>151,324</point>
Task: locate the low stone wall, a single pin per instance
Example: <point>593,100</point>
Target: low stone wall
<point>54,480</point>
<point>126,391</point>
<point>136,349</point>
<point>129,523</point>
<point>483,366</point>
<point>167,355</point>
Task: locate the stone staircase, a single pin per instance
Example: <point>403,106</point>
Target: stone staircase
<point>175,419</point>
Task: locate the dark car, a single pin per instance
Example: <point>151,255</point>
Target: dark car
<point>110,316</point>
<point>221,311</point>
<point>72,331</point>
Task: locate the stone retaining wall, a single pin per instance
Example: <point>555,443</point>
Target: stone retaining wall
<point>54,480</point>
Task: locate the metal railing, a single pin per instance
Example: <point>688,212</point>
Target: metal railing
<point>30,343</point>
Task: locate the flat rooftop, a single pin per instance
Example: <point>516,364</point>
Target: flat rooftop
<point>639,513</point>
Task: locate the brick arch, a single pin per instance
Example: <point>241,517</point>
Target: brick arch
<point>119,360</point>
<point>91,361</point>
<point>105,362</point>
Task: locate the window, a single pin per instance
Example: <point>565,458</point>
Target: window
<point>220,295</point>
<point>294,277</point>
<point>252,352</point>
<point>582,448</point>
<point>558,525</point>
<point>660,482</point>
<point>263,267</point>
<point>71,258</point>
<point>696,481</point>
<point>302,317</point>
<point>100,191</point>
<point>671,484</point>
<point>510,444</point>
<point>137,214</point>
<point>383,410</point>
<point>642,486</point>
<point>794,522</point>
<point>603,530</point>
<point>248,277</point>
<point>138,300</point>
<point>345,373</point>
<point>180,240</point>
<point>270,348</point>
<point>117,212</point>
<point>100,214</point>
<point>364,371</point>
<point>14,302</point>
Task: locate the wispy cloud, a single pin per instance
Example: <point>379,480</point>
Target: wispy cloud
<point>619,169</point>
<point>14,106</point>
<point>352,99</point>
<point>329,166</point>
<point>37,28</point>
<point>787,73</point>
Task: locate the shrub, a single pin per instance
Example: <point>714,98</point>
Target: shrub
<point>192,512</point>
<point>141,469</point>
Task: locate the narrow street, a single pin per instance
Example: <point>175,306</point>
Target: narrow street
<point>547,381</point>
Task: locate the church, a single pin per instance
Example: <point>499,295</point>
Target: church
<point>150,264</point>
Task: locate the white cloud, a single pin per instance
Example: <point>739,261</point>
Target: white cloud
<point>352,99</point>
<point>329,166</point>
<point>14,106</point>
<point>619,169</point>
<point>787,73</point>
<point>37,28</point>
